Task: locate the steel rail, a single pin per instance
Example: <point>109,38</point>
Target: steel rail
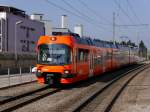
<point>26,98</point>
<point>90,98</point>
<point>15,85</point>
<point>113,101</point>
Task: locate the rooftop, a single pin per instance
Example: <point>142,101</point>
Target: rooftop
<point>13,10</point>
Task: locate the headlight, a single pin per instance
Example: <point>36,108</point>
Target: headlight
<point>66,71</point>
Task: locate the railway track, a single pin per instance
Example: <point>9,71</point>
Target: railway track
<point>19,101</point>
<point>16,102</point>
<point>116,96</point>
<point>7,87</point>
<point>99,100</point>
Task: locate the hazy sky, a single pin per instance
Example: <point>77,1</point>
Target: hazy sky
<point>95,15</point>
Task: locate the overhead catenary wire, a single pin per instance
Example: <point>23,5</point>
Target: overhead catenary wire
<point>134,25</point>
<point>126,14</point>
<point>94,12</point>
<point>120,20</point>
<point>134,13</point>
<point>61,8</point>
<point>73,13</point>
<point>118,13</point>
<point>84,15</point>
<point>123,11</point>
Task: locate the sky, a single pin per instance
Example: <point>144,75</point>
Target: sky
<point>132,17</point>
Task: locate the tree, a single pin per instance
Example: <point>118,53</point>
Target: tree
<point>142,49</point>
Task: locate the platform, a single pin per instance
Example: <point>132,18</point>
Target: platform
<point>6,80</point>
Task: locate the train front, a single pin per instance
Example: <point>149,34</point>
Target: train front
<point>54,63</point>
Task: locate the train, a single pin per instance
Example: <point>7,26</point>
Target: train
<point>65,58</point>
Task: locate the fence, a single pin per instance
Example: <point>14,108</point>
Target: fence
<point>20,77</point>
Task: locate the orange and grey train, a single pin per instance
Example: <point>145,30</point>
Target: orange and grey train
<point>67,58</point>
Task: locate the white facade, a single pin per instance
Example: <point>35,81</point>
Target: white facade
<point>79,30</point>
<point>27,33</point>
<point>47,23</point>
<point>48,27</point>
<point>38,17</point>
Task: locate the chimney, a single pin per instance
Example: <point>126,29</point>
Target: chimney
<point>64,21</point>
<point>79,29</point>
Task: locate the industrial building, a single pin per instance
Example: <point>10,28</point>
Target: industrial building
<point>18,33</point>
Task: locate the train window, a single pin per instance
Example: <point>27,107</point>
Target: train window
<point>95,60</point>
<point>0,27</point>
<point>83,55</point>
<point>0,43</point>
<point>86,55</point>
<point>114,46</point>
<point>80,55</point>
<point>101,44</point>
<point>108,45</point>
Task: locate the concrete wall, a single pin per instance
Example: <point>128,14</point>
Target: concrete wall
<point>7,60</point>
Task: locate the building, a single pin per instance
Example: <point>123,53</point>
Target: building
<point>18,33</point>
<point>47,23</point>
<point>18,37</point>
<point>79,29</point>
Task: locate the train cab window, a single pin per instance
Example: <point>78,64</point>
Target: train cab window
<point>54,54</point>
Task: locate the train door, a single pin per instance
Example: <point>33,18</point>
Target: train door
<point>1,41</point>
<point>104,58</point>
<point>101,60</point>
<point>91,64</point>
<point>75,60</point>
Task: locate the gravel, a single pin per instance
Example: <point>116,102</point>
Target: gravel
<point>136,97</point>
<point>17,90</point>
<point>62,100</point>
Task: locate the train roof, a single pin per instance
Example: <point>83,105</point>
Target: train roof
<point>95,42</point>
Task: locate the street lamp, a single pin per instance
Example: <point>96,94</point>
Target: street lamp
<point>17,23</point>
